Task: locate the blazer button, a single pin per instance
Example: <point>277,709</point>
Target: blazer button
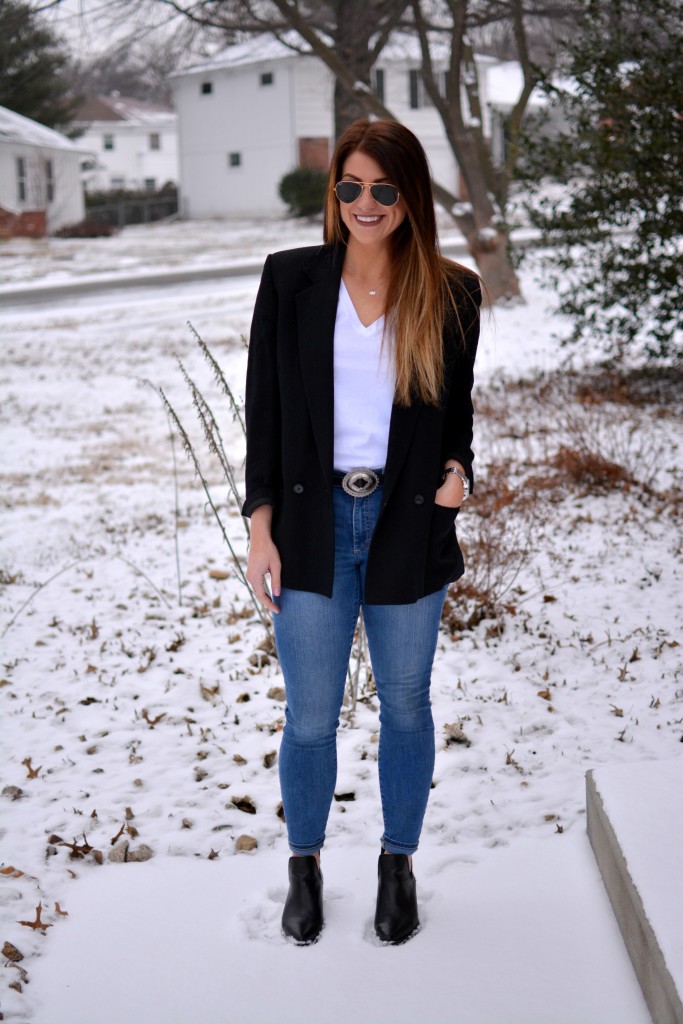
<point>418,499</point>
<point>298,488</point>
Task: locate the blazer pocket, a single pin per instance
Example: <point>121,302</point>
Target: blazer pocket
<point>443,520</point>
<point>444,557</point>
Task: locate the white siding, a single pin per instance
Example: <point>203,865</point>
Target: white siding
<point>132,160</point>
<point>314,99</point>
<point>239,116</point>
<point>67,205</point>
<point>424,122</point>
<point>265,123</point>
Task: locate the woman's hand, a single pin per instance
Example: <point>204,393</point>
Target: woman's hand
<point>451,492</point>
<point>264,558</point>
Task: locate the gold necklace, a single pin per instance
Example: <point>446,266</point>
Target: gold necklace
<point>371,291</point>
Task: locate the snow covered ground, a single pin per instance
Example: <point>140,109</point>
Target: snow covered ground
<point>130,717</point>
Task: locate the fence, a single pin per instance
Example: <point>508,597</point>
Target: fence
<point>134,211</point>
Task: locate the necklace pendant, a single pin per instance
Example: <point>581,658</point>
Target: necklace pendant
<point>372,291</point>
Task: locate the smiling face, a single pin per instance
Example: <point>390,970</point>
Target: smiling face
<point>368,222</point>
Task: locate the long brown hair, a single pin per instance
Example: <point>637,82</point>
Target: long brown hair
<point>422,283</point>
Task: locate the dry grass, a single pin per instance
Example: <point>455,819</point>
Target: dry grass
<point>549,439</point>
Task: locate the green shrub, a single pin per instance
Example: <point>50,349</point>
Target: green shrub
<point>303,190</point>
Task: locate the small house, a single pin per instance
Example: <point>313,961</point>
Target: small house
<point>258,109</point>
<point>40,180</point>
<point>134,143</point>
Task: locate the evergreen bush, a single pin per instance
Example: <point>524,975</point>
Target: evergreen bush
<point>613,220</point>
<point>303,190</point>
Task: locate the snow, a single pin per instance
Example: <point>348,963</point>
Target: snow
<point>402,47</point>
<point>254,50</point>
<point>171,246</point>
<point>131,710</point>
<point>17,128</point>
<point>504,85</point>
<point>461,209</point>
<point>197,938</point>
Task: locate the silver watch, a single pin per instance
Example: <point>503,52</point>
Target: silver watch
<point>465,480</point>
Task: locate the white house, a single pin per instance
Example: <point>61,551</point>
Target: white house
<point>40,182</point>
<point>134,143</point>
<point>257,110</point>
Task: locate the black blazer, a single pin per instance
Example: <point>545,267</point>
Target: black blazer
<point>290,437</point>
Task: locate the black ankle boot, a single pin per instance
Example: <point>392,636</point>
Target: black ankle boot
<point>302,918</point>
<point>396,915</point>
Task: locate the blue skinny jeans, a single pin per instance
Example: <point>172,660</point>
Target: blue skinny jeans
<point>314,636</point>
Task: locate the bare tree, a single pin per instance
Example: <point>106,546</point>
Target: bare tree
<point>524,23</point>
<point>137,65</point>
<point>348,36</point>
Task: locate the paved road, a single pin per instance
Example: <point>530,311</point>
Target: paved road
<point>33,294</point>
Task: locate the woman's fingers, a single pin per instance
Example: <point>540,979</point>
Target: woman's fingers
<point>260,565</point>
<point>262,595</point>
<point>264,598</point>
<point>275,577</point>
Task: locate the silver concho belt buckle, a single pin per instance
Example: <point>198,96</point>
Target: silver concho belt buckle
<point>361,482</point>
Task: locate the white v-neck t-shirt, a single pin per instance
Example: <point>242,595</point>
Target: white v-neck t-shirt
<point>363,389</point>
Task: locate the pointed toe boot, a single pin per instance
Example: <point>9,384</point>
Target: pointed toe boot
<point>302,918</point>
<point>396,917</point>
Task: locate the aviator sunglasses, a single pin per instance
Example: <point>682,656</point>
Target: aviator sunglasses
<point>349,191</point>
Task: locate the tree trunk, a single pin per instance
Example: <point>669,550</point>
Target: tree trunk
<point>347,108</point>
<point>487,245</point>
<point>493,261</point>
<point>352,33</point>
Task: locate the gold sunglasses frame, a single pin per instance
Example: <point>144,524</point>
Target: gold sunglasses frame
<point>369,185</point>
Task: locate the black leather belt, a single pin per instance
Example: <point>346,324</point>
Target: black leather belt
<point>360,482</point>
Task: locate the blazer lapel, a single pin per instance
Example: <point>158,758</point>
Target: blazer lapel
<point>316,310</point>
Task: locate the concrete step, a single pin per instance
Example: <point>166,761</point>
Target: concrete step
<point>635,826</point>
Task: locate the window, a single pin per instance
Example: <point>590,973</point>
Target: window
<point>49,181</point>
<point>234,159</point>
<point>117,182</point>
<point>414,89</point>
<point>267,78</point>
<point>150,184</point>
<point>206,88</point>
<point>418,97</point>
<point>155,141</point>
<point>21,179</point>
<point>107,142</point>
<point>378,83</point>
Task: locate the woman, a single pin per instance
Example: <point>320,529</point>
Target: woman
<point>359,430</point>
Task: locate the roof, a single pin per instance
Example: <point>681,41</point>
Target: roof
<point>504,79</point>
<point>402,47</point>
<point>254,50</point>
<point>17,128</point>
<point>505,82</point>
<point>124,108</point>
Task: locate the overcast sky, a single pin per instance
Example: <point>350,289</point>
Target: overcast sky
<point>92,26</point>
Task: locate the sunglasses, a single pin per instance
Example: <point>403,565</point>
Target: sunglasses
<point>349,191</point>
